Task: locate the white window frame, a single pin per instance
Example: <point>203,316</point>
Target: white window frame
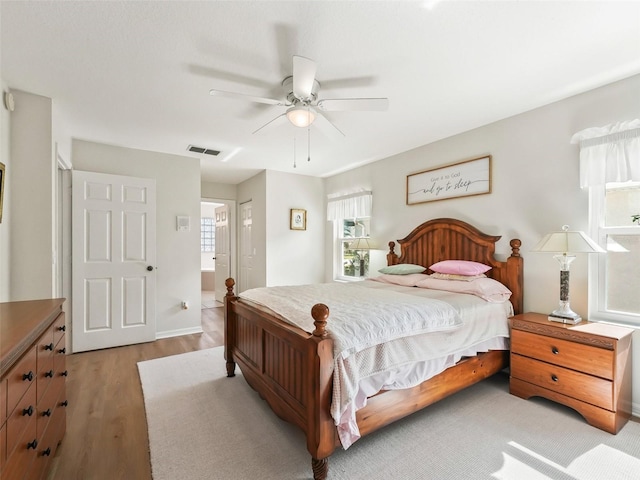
<point>598,263</point>
<point>338,271</point>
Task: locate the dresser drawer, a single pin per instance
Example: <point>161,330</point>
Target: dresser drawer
<point>587,388</point>
<point>21,460</point>
<point>20,417</point>
<point>576,356</point>
<point>20,378</point>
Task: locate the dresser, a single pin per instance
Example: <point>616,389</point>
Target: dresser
<point>586,366</point>
<point>32,386</point>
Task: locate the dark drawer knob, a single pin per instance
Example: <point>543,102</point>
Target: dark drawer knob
<point>49,347</point>
<point>27,376</point>
<point>64,374</point>
<point>554,378</point>
<point>62,350</point>
<point>46,413</point>
<point>47,452</point>
<point>27,411</point>
<point>49,374</point>
<point>32,445</point>
<point>64,404</point>
<point>554,350</point>
<point>63,328</point>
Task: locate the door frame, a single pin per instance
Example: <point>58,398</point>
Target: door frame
<point>233,242</point>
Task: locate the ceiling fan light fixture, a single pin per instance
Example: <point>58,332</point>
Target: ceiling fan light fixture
<point>301,116</point>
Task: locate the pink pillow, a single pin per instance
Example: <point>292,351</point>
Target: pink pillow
<point>486,288</point>
<point>460,267</point>
<point>410,280</point>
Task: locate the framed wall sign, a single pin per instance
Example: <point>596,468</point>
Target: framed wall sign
<point>298,220</point>
<point>471,177</point>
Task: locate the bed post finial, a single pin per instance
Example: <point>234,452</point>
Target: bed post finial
<point>515,247</point>
<point>392,258</point>
<point>229,283</point>
<point>320,313</point>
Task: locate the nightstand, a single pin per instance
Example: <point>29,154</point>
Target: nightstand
<point>586,366</point>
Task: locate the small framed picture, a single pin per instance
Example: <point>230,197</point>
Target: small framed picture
<point>298,219</point>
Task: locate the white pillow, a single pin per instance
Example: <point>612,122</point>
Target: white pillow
<point>410,280</point>
<point>486,288</point>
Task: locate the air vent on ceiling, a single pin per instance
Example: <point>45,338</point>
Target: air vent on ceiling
<point>205,151</point>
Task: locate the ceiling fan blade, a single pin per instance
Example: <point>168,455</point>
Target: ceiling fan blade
<point>282,115</point>
<point>354,104</point>
<point>304,74</point>
<point>251,98</point>
<point>327,126</point>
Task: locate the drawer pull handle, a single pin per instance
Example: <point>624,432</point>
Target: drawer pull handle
<point>64,404</point>
<point>33,444</point>
<point>46,413</point>
<point>47,452</point>
<point>62,350</point>
<point>49,374</point>
<point>64,374</point>
<point>49,347</point>
<point>554,378</point>
<point>27,411</point>
<point>27,376</point>
<point>63,328</point>
<point>554,350</point>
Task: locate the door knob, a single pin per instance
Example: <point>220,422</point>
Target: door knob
<point>150,268</point>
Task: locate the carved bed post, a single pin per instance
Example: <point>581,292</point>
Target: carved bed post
<point>392,257</point>
<point>229,327</point>
<point>321,429</point>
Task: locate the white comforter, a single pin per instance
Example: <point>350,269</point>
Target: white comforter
<point>388,336</point>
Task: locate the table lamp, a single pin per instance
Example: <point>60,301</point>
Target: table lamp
<point>564,244</point>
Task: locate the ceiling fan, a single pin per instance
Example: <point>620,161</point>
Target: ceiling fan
<point>301,98</point>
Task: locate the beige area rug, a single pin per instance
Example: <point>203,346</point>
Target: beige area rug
<point>203,425</point>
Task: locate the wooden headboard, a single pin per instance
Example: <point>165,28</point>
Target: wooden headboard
<point>450,239</point>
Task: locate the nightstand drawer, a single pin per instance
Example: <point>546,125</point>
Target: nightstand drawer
<point>583,358</point>
<point>586,388</point>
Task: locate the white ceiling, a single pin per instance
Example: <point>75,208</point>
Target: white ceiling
<point>138,74</point>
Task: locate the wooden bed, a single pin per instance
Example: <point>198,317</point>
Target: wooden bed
<point>292,369</point>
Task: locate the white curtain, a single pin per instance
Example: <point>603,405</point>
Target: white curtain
<point>355,205</point>
<point>609,154</point>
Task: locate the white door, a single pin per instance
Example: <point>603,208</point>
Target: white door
<point>246,249</point>
<point>114,260</point>
<point>222,253</point>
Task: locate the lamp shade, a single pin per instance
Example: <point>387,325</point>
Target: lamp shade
<point>362,244</point>
<point>567,242</point>
<point>301,116</point>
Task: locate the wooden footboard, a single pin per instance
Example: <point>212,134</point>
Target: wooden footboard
<point>291,369</point>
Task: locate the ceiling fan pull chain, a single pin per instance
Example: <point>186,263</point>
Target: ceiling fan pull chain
<point>294,152</point>
<point>308,143</point>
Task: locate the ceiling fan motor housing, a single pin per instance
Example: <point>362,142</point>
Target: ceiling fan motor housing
<point>287,86</point>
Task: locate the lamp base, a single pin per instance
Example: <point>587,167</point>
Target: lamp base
<point>564,318</point>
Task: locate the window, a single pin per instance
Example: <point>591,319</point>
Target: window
<point>610,169</point>
<point>207,234</point>
<point>614,277</point>
<point>354,247</point>
<point>351,216</point>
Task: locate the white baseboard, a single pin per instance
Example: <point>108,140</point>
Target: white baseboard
<point>635,409</point>
<point>179,332</point>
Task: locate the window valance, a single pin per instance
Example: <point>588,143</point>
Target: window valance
<point>354,205</point>
<point>609,154</point>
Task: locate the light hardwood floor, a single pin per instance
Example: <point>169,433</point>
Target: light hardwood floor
<point>106,434</point>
